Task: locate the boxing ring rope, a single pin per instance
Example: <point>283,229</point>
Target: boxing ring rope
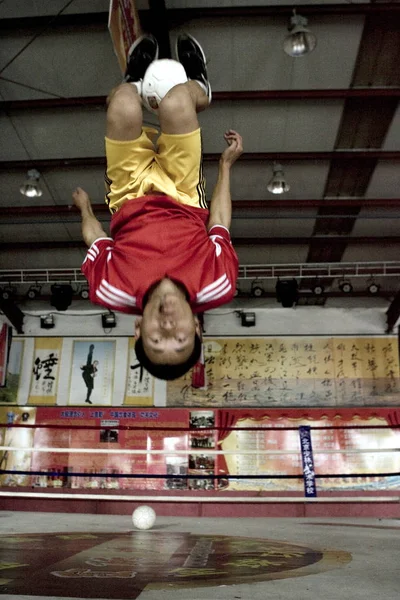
<point>191,451</point>
<point>308,475</point>
<point>205,499</point>
<point>191,429</point>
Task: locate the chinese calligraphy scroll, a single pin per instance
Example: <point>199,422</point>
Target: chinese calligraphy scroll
<point>45,371</point>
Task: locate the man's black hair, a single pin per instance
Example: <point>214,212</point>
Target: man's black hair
<point>166,371</point>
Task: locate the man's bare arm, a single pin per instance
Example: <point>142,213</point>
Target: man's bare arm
<point>221,203</point>
<point>91,227</point>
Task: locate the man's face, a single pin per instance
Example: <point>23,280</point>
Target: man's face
<point>167,328</point>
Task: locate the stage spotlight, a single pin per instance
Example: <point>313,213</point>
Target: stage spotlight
<point>248,319</point>
<point>286,292</point>
<point>374,288</point>
<point>300,40</point>
<point>345,286</point>
<point>47,321</point>
<point>318,289</point>
<point>257,289</point>
<point>84,293</point>
<point>33,292</point>
<point>7,293</point>
<point>108,320</point>
<point>61,296</point>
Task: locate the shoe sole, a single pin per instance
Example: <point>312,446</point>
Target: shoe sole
<point>136,44</point>
<point>198,45</point>
<point>187,35</point>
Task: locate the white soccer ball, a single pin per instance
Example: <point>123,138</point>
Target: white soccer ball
<point>161,76</point>
<point>144,517</point>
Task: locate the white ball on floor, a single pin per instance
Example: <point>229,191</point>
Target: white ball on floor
<point>144,517</point>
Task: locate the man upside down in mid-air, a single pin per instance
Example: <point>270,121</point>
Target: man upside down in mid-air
<point>169,257</point>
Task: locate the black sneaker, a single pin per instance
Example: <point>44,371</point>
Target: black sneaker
<point>190,54</point>
<point>140,55</point>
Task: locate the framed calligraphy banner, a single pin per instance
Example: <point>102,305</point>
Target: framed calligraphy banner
<point>294,371</point>
<point>45,371</point>
<point>139,389</point>
<point>92,372</point>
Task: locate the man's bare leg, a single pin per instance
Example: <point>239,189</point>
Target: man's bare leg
<point>178,109</point>
<point>124,113</point>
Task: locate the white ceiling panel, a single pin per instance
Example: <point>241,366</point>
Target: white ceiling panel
<point>250,179</point>
<point>10,195</point>
<point>37,8</point>
<point>385,180</point>
<point>229,3</point>
<point>393,135</point>
<point>63,182</point>
<point>272,126</point>
<point>371,253</point>
<point>61,133</point>
<point>370,227</point>
<point>57,186</point>
<point>12,148</point>
<point>33,232</point>
<point>45,66</point>
<point>270,228</point>
<point>272,254</point>
<point>252,58</point>
<point>42,259</point>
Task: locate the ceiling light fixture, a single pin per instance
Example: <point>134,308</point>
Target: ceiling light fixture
<point>300,40</point>
<point>31,187</point>
<point>345,286</point>
<point>278,184</point>
<point>374,288</point>
<point>257,289</point>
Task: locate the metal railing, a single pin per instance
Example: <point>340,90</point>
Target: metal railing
<point>260,271</point>
<point>320,270</point>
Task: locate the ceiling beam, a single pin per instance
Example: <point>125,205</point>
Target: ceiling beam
<point>237,241</point>
<point>159,26</point>
<point>86,101</point>
<point>100,161</point>
<point>178,16</point>
<point>237,205</point>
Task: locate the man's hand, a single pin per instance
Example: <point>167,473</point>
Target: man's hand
<point>234,149</point>
<point>92,229</point>
<point>80,198</point>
